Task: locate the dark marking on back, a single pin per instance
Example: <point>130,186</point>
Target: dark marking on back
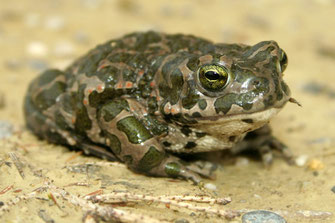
<point>167,144</point>
<point>190,145</point>
<point>248,120</point>
<point>151,158</point>
<point>200,134</point>
<point>134,129</point>
<point>202,104</point>
<point>48,97</point>
<point>186,130</point>
<point>48,76</point>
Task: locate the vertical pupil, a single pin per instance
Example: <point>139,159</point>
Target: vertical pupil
<point>212,75</point>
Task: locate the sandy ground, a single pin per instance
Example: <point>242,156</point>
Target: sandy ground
<point>40,182</point>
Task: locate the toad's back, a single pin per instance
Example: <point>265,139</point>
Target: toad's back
<point>125,66</point>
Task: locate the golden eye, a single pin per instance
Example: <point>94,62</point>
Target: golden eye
<point>283,61</point>
<point>213,77</point>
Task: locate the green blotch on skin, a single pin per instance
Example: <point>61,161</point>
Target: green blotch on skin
<point>115,143</point>
<point>155,127</point>
<point>245,100</point>
<point>172,169</point>
<point>134,129</point>
<point>88,65</point>
<point>129,75</point>
<point>171,85</point>
<point>113,108</point>
<point>48,97</point>
<point>83,121</point>
<point>97,99</point>
<point>54,137</point>
<point>60,121</point>
<point>192,63</point>
<point>108,75</point>
<point>223,104</point>
<point>48,76</point>
<point>202,104</point>
<point>191,98</point>
<point>68,101</point>
<point>143,39</point>
<point>151,159</point>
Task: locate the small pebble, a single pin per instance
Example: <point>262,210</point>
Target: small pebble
<point>1,203</point>
<point>262,217</point>
<point>333,189</point>
<point>316,164</point>
<point>301,160</point>
<point>210,186</point>
<point>242,161</point>
<point>6,129</point>
<point>193,214</point>
<point>37,49</point>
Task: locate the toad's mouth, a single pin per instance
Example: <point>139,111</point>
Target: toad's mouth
<point>252,117</point>
<point>236,124</point>
<point>260,116</point>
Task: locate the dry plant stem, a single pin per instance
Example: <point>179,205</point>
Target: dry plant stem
<point>162,199</point>
<point>170,200</point>
<point>104,211</point>
<point>83,184</point>
<point>107,212</point>
<point>99,163</point>
<point>17,162</point>
<point>16,200</point>
<point>6,189</point>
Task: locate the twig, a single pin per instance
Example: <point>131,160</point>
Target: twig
<point>6,189</point>
<point>104,211</point>
<point>169,200</point>
<point>74,156</point>
<point>83,184</point>
<point>17,162</point>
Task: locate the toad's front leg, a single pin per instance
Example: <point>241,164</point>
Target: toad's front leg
<point>132,136</point>
<point>262,140</point>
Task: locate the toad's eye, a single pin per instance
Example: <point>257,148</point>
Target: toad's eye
<point>213,77</point>
<point>283,61</point>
